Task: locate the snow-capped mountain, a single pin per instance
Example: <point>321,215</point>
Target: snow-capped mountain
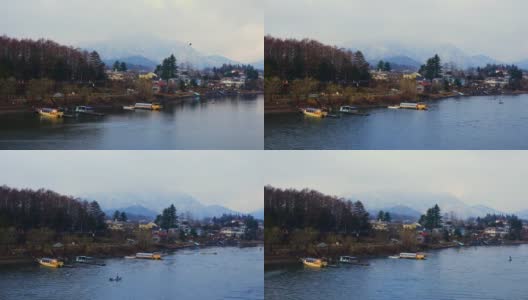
<point>448,53</point>
<point>157,201</point>
<point>155,49</point>
<point>411,203</point>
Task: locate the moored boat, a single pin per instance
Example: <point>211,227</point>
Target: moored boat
<point>394,107</point>
<point>129,107</point>
<point>50,112</point>
<point>348,259</point>
<point>348,109</point>
<point>412,255</point>
<point>146,255</point>
<point>314,262</point>
<point>148,106</point>
<point>314,112</point>
<point>50,262</point>
<point>417,106</point>
<point>87,110</point>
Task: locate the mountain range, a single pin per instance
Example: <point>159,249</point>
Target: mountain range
<point>149,51</point>
<point>147,205</point>
<point>412,205</point>
<point>402,54</point>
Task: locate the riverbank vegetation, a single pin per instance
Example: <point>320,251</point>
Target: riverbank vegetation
<point>37,73</point>
<point>41,222</point>
<point>308,73</point>
<point>308,223</point>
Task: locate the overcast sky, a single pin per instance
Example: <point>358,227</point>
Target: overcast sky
<point>227,178</point>
<point>493,178</point>
<point>492,27</point>
<point>232,28</point>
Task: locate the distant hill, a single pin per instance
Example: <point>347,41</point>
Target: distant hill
<point>406,54</point>
<point>137,63</point>
<point>415,204</point>
<point>523,64</point>
<point>258,214</point>
<point>151,203</point>
<point>155,50</point>
<point>259,65</point>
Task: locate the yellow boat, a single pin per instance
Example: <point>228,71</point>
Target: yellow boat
<point>156,106</point>
<point>417,106</point>
<point>50,262</point>
<point>314,262</point>
<point>50,112</point>
<point>314,112</point>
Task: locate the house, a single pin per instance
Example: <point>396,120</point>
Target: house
<point>412,226</point>
<point>496,232</point>
<point>148,76</point>
<point>380,225</point>
<point>413,76</point>
<point>148,226</point>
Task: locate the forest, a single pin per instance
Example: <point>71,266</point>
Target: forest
<point>26,59</point>
<point>298,59</point>
<point>294,209</point>
<point>26,209</point>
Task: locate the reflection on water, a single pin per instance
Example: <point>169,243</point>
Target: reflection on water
<point>226,123</point>
<point>234,273</point>
<point>465,273</point>
<point>456,123</point>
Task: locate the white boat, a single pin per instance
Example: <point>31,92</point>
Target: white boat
<point>348,109</point>
<point>394,257</point>
<point>394,107</point>
<point>88,110</point>
<point>348,259</point>
<point>129,107</point>
<point>83,259</point>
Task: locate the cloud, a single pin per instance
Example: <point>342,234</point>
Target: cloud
<point>228,178</point>
<point>488,27</point>
<point>232,28</point>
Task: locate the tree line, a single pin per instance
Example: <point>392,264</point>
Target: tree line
<point>299,209</point>
<point>27,209</point>
<point>25,59</point>
<point>297,59</point>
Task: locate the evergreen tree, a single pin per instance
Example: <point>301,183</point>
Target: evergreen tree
<point>123,217</point>
<point>117,65</point>
<point>381,65</point>
<point>123,67</point>
<point>387,217</point>
<point>117,215</point>
<point>387,66</point>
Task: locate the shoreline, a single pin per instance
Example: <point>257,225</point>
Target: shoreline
<point>110,101</point>
<point>285,106</point>
<point>281,260</point>
<point>116,251</point>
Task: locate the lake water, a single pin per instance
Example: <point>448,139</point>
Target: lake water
<point>234,273</point>
<point>465,273</point>
<point>226,123</point>
<point>455,123</point>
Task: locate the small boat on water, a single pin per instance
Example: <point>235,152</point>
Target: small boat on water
<point>348,109</point>
<point>394,256</point>
<point>129,107</point>
<point>130,257</point>
<point>394,107</point>
<point>117,278</point>
<point>314,112</point>
<point>50,262</point>
<point>348,259</point>
<point>148,106</point>
<point>50,112</point>
<point>407,255</point>
<point>146,255</point>
<point>87,110</point>
<point>314,262</point>
<point>417,106</point>
<point>88,260</point>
